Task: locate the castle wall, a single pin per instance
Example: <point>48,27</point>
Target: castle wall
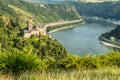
<point>26,35</point>
<point>36,31</point>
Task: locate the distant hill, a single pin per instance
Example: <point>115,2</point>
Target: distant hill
<point>24,10</point>
<point>107,10</point>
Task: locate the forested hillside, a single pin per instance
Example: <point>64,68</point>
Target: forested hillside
<point>13,13</point>
<point>107,10</point>
<point>114,33</point>
<point>23,10</point>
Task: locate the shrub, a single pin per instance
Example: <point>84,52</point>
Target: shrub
<point>70,62</point>
<point>19,62</point>
<point>114,58</point>
<point>90,61</point>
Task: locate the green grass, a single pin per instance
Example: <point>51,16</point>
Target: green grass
<point>101,74</point>
<point>97,74</point>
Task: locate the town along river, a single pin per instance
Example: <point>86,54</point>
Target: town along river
<point>84,39</point>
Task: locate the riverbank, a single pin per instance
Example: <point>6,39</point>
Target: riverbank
<point>109,44</point>
<point>68,22</point>
<point>52,31</point>
<point>63,23</point>
<point>114,22</point>
<point>102,19</point>
<point>102,39</point>
<point>111,38</point>
<point>65,26</point>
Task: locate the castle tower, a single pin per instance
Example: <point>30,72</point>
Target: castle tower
<point>29,24</point>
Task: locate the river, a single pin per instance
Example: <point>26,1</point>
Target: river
<point>82,40</point>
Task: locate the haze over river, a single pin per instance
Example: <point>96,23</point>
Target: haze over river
<point>84,39</point>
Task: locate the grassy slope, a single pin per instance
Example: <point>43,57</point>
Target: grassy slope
<point>108,73</point>
<point>23,10</point>
<point>100,74</point>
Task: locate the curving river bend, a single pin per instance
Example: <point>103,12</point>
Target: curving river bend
<point>83,39</point>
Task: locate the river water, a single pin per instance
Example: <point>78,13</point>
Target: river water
<point>84,39</point>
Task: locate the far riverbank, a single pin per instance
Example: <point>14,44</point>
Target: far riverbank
<point>95,18</point>
<point>109,43</point>
<point>102,39</point>
<point>65,26</point>
<point>102,19</point>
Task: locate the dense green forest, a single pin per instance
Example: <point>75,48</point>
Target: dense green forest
<point>107,10</point>
<point>114,33</point>
<point>11,39</point>
<point>12,44</point>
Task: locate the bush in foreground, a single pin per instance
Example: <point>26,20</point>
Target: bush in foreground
<point>90,62</point>
<point>19,62</point>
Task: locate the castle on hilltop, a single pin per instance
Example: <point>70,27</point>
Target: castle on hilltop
<point>31,30</point>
